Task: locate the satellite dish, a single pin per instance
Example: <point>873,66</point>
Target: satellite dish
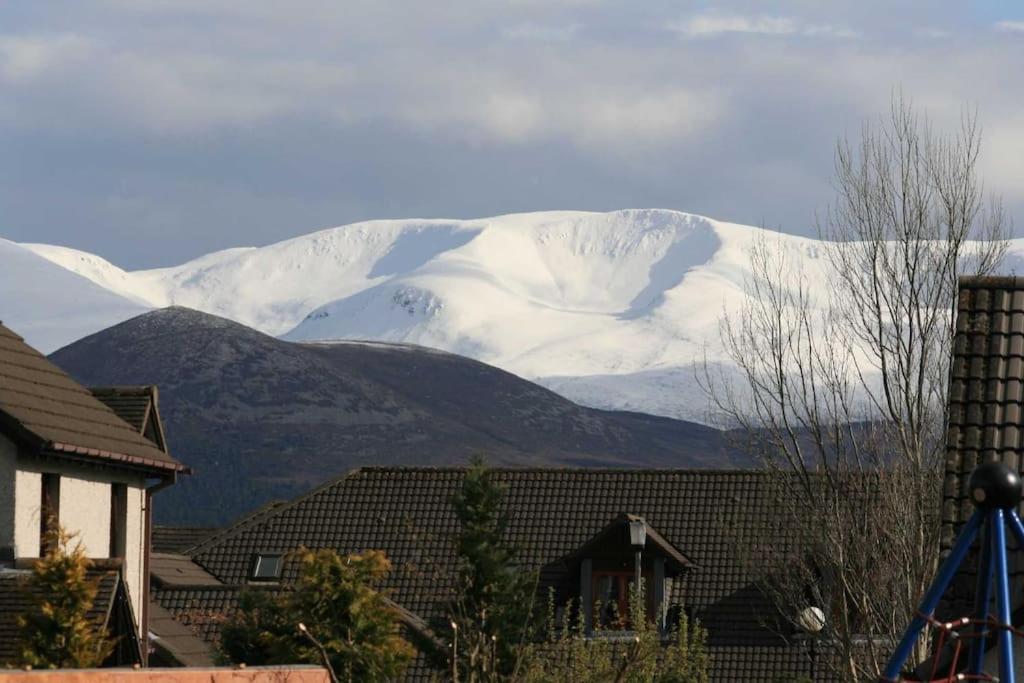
<point>811,619</point>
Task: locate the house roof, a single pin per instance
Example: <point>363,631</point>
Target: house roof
<point>177,539</point>
<point>138,406</point>
<point>131,403</point>
<point>41,405</point>
<point>178,642</point>
<point>178,571</point>
<point>619,527</point>
<point>16,599</point>
<point>551,512</point>
<point>201,609</point>
<point>986,393</point>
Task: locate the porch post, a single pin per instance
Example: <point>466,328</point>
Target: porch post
<point>659,593</point>
<point>586,599</point>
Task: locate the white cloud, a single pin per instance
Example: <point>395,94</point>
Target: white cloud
<point>715,24</point>
<point>1010,26</point>
<point>28,57</point>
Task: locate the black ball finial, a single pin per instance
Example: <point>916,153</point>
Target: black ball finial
<point>993,486</point>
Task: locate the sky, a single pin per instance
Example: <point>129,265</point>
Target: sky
<point>154,131</point>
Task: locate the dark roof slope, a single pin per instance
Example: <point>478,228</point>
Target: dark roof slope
<point>552,512</point>
<point>178,539</point>
<point>175,643</point>
<point>16,599</point>
<point>41,404</point>
<point>178,571</point>
<point>132,404</point>
<point>986,394</point>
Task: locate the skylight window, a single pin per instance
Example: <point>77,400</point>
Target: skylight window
<point>267,567</point>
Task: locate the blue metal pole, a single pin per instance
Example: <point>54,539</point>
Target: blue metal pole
<point>1017,527</point>
<point>934,594</point>
<point>982,598</point>
<point>1002,597</point>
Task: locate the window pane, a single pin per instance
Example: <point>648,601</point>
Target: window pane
<point>267,566</point>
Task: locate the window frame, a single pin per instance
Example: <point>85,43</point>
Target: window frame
<point>49,507</point>
<point>118,520</point>
<point>257,562</point>
<point>624,578</point>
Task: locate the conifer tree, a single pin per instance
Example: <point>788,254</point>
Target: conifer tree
<point>56,632</point>
<point>491,613</point>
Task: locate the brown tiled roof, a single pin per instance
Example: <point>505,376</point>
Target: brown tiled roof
<point>986,394</point>
<point>552,512</point>
<point>16,599</point>
<point>177,539</point>
<point>42,405</point>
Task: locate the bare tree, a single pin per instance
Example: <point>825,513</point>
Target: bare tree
<point>841,390</point>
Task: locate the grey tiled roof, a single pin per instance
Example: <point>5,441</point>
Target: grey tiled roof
<point>202,610</point>
<point>176,642</point>
<point>986,395</point>
<point>177,539</point>
<point>552,512</point>
<point>178,571</point>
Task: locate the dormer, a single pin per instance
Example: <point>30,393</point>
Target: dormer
<point>138,406</point>
<point>607,566</point>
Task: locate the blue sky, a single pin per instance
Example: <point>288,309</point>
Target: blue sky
<point>152,131</point>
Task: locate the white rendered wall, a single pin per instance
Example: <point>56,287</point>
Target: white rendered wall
<point>27,499</point>
<point>84,510</point>
<point>134,547</point>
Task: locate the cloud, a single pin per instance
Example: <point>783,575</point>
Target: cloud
<point>1010,26</point>
<point>27,57</point>
<point>715,24</point>
<point>535,32</point>
<point>173,128</point>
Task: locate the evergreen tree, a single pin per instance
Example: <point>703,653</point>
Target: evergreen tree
<point>335,613</point>
<point>490,615</point>
<point>56,632</point>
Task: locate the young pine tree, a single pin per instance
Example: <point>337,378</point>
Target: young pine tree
<point>491,614</point>
<point>56,632</point>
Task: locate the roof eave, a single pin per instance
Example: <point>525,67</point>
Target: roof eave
<point>136,460</point>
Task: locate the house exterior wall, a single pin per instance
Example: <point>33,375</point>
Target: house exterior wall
<point>27,499</point>
<point>85,510</point>
<point>135,539</point>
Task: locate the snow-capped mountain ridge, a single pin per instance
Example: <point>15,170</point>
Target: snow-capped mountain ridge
<point>609,309</point>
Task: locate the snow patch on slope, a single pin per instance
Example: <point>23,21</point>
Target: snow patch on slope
<point>50,306</point>
<point>609,309</point>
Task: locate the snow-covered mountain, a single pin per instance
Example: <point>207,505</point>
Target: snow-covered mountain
<point>608,309</point>
<point>52,306</point>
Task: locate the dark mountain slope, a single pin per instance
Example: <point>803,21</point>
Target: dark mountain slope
<point>258,418</point>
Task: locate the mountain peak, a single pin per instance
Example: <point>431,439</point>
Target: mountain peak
<point>609,309</point>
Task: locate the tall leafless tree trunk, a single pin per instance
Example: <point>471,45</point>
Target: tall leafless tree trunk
<point>842,389</point>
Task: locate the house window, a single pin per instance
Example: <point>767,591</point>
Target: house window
<point>267,567</point>
<point>611,591</point>
<point>118,519</point>
<point>49,508</point>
